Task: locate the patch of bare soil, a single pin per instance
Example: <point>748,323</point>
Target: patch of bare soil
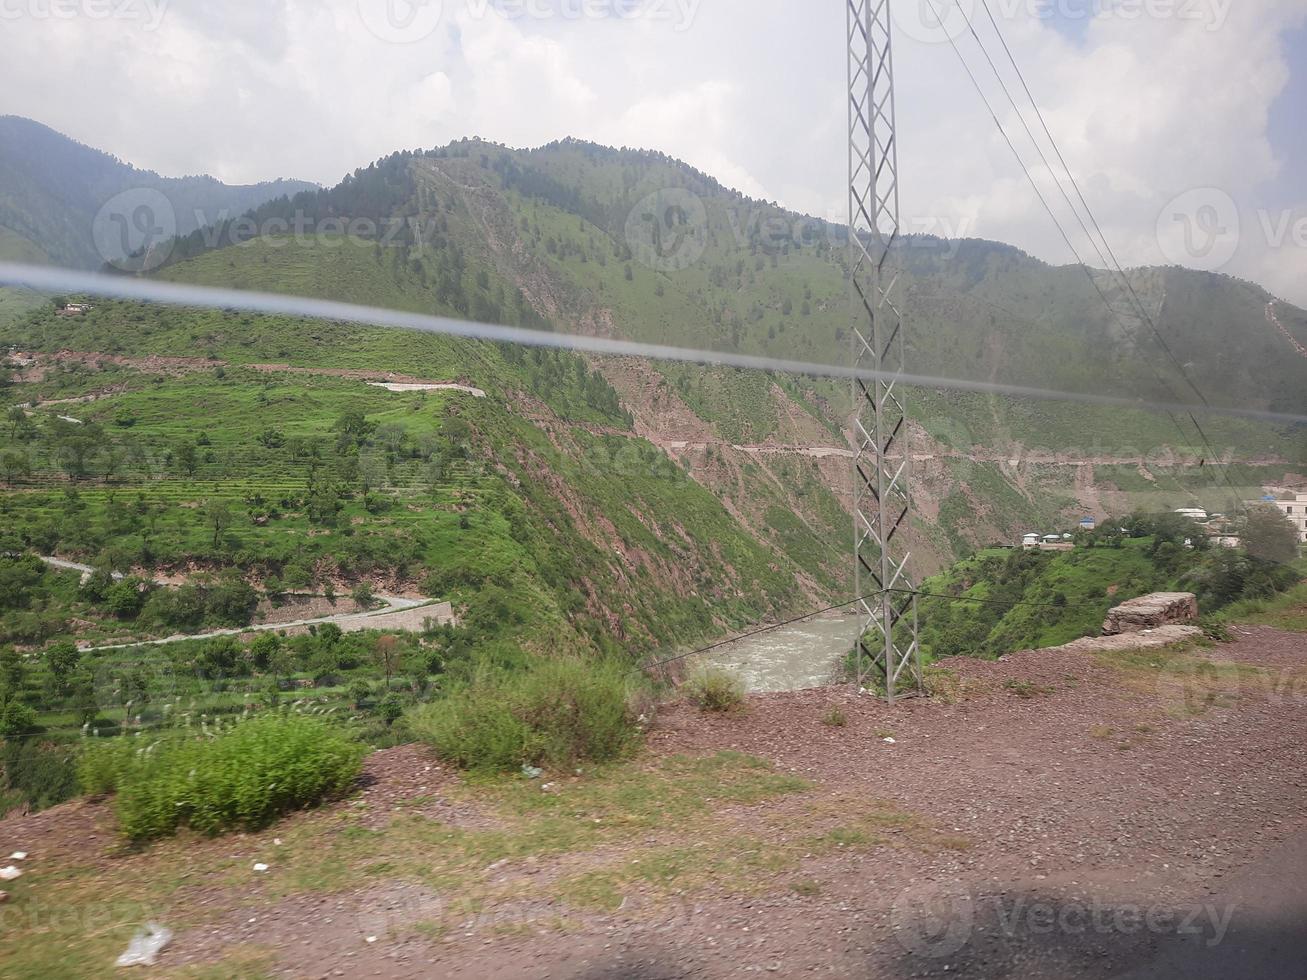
<point>1071,784</point>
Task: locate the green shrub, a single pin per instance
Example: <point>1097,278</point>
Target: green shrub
<point>556,712</point>
<point>1216,629</point>
<point>37,774</point>
<point>16,719</point>
<point>243,777</point>
<point>835,718</point>
<point>714,689</point>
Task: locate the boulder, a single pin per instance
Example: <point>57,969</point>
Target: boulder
<point>1152,612</point>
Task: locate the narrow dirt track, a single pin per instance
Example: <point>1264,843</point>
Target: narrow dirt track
<point>1103,821</point>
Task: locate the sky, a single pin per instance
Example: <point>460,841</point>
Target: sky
<point>1182,120</point>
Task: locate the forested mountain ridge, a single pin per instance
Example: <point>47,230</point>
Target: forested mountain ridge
<point>636,244</point>
<point>52,188</point>
<point>612,497</point>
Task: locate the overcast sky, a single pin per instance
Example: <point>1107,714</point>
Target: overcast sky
<point>1182,118</point>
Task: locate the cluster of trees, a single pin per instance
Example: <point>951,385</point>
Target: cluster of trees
<point>1179,555</point>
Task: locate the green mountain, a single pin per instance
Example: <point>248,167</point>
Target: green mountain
<point>601,499</point>
<point>638,245</point>
<point>52,188</point>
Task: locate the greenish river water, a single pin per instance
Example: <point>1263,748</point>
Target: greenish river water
<point>792,658</point>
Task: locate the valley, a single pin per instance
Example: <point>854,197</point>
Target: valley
<point>437,577</point>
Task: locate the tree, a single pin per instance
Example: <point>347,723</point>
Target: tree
<point>187,459</point>
<point>125,599</point>
<point>388,655</point>
<point>74,453</point>
<point>62,660</point>
<point>15,417</point>
<point>16,719</point>
<point>218,515</point>
<point>355,426</point>
<point>264,649</point>
<point>272,439</point>
<point>15,464</point>
<point>362,594</point>
<point>85,704</point>
<point>1269,535</point>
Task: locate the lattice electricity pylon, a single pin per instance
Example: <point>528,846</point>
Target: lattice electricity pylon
<point>887,652</point>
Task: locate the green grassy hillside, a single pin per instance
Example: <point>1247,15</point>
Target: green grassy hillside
<point>536,508</point>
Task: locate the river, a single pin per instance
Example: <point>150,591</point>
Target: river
<point>792,658</point>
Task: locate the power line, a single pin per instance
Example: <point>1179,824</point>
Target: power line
<point>1138,303</point>
<point>1076,186</point>
<point>1067,239</point>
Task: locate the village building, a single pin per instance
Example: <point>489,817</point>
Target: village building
<point>1294,507</point>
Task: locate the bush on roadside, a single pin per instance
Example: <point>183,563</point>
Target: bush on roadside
<point>36,773</point>
<point>243,777</point>
<point>1216,629</point>
<point>714,689</point>
<point>556,713</point>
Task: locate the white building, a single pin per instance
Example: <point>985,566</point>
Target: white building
<point>1296,510</point>
<point>1194,514</point>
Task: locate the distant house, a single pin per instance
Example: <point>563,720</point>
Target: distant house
<point>1193,513</point>
<point>1030,541</point>
<point>1295,508</point>
<point>75,309</point>
<point>1088,524</point>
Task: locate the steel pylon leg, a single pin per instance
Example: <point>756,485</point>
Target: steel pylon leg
<point>887,654</point>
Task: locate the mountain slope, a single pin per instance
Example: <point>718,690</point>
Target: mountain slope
<point>576,237</point>
<point>52,188</point>
<point>571,228</point>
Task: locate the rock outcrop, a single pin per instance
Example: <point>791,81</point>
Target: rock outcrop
<point>1151,612</point>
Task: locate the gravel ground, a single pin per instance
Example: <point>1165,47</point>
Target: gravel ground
<point>1111,818</point>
